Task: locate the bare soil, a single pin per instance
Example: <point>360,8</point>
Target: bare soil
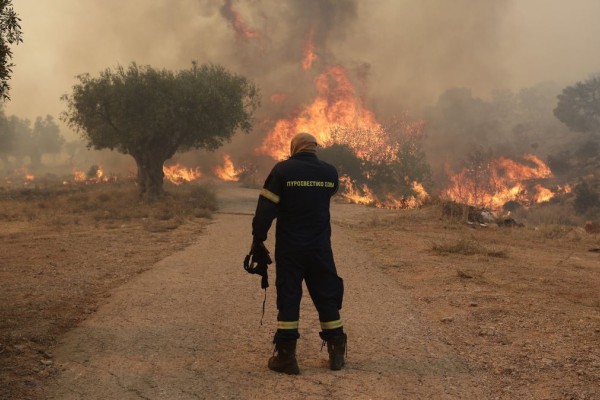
<point>130,308</point>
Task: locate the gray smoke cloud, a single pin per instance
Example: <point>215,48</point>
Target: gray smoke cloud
<point>407,51</point>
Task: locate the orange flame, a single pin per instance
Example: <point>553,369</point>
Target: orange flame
<point>95,175</point>
<point>28,176</point>
<point>364,195</point>
<point>542,194</point>
<point>338,116</point>
<point>239,26</point>
<point>178,174</point>
<point>309,51</point>
<point>78,175</point>
<point>356,195</point>
<point>500,181</point>
<point>333,117</point>
<point>227,172</point>
<point>99,177</point>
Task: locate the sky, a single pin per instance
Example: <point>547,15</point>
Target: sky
<point>412,50</point>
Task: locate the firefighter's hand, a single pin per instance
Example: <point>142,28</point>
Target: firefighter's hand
<point>259,252</point>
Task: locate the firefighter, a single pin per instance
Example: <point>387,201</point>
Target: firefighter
<point>297,192</point>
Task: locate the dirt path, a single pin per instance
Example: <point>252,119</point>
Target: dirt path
<point>189,329</point>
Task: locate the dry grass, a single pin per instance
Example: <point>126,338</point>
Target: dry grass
<point>467,247</point>
<point>64,249</point>
<point>514,296</point>
<point>105,203</point>
<point>549,214</point>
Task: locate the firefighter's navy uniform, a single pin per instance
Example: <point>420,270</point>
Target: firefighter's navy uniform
<point>297,192</point>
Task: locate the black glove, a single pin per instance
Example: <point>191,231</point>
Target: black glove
<point>260,252</point>
<point>257,262</point>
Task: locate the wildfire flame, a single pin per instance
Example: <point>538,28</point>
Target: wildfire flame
<point>94,175</point>
<point>500,181</point>
<point>29,177</point>
<point>338,116</point>
<point>227,172</point>
<point>78,175</point>
<point>239,25</point>
<point>333,117</point>
<point>178,174</point>
<point>364,195</point>
<point>309,51</point>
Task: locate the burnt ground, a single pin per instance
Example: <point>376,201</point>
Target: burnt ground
<point>152,308</point>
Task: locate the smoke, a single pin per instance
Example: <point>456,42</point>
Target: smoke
<point>402,54</point>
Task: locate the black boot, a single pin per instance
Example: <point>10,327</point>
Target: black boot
<point>285,359</point>
<point>336,347</point>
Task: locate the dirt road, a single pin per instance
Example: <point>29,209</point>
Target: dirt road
<point>188,328</point>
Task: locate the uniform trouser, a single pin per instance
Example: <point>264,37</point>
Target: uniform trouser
<point>326,288</point>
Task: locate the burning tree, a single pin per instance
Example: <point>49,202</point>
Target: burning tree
<point>150,114</point>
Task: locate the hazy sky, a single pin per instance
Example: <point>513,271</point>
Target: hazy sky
<point>413,49</point>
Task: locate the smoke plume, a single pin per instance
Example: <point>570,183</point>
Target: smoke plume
<point>401,54</point>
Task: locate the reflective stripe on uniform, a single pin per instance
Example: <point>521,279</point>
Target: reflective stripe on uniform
<point>288,324</point>
<point>270,195</point>
<point>331,324</point>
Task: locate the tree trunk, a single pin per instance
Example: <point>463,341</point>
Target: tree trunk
<point>154,180</point>
<point>150,177</point>
<point>141,177</point>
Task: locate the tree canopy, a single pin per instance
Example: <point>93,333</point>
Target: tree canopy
<point>579,106</point>
<point>10,33</point>
<point>150,114</point>
<point>19,140</point>
<point>45,139</point>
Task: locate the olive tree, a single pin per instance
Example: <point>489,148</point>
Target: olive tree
<point>150,114</point>
<point>10,33</point>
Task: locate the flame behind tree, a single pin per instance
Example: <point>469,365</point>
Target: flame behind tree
<point>178,174</point>
<point>335,109</point>
<point>381,161</point>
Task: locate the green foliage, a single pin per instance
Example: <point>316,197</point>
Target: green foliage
<point>579,106</point>
<point>151,114</point>
<point>10,33</point>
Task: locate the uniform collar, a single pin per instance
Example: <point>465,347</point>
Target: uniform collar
<point>304,154</point>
